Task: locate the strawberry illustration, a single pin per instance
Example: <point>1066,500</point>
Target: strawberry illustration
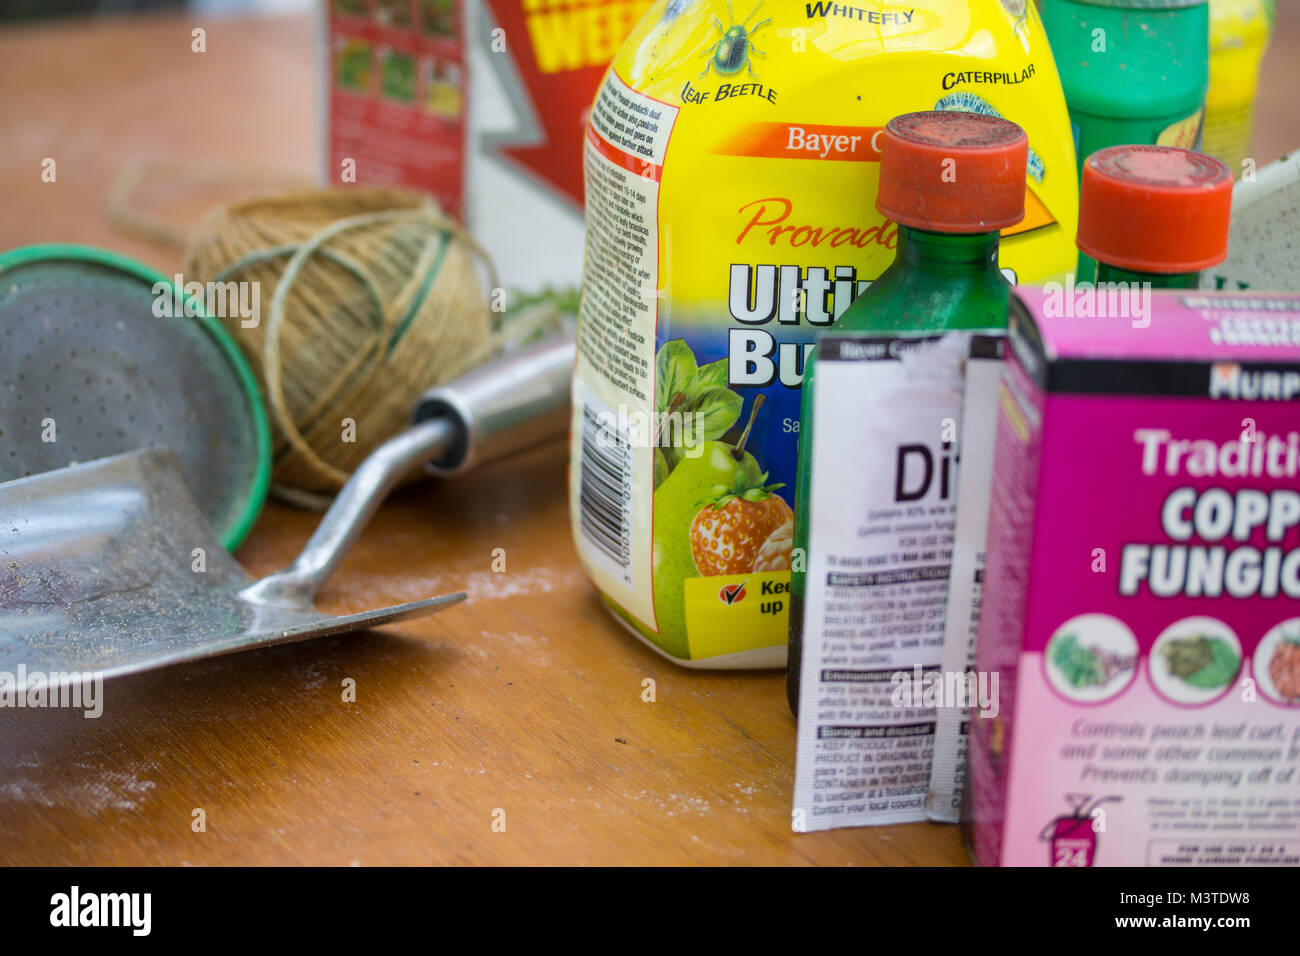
<point>732,524</point>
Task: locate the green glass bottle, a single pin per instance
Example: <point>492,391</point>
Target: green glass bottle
<point>1154,214</point>
<point>952,182</point>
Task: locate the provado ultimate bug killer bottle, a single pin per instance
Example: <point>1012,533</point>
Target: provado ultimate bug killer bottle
<point>731,165</point>
<point>1154,215</point>
<point>951,181</point>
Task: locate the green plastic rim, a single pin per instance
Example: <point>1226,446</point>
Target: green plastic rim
<point>255,497</point>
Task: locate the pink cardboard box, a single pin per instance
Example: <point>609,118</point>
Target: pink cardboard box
<point>1142,588</point>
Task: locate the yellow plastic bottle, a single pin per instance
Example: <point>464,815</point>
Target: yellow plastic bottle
<point>1239,31</point>
<point>731,169</point>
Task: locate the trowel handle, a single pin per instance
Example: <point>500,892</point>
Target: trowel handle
<point>504,407</point>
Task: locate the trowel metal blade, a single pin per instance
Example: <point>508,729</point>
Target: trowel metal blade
<point>109,568</point>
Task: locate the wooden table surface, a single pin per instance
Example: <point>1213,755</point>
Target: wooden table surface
<point>526,699</point>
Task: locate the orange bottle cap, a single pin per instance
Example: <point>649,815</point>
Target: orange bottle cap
<point>1154,209</point>
<point>947,171</point>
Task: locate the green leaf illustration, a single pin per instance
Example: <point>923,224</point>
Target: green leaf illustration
<point>714,374</point>
<point>675,373</point>
<point>718,409</point>
<point>1077,663</point>
<point>1221,668</point>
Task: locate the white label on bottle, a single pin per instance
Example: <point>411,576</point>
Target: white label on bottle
<point>979,419</point>
<point>883,489</point>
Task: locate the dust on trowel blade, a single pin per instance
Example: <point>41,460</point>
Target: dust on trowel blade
<point>110,567</point>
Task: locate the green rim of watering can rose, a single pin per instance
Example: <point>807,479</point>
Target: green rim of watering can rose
<point>238,528</point>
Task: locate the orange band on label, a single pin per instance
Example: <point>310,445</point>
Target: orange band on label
<point>803,141</point>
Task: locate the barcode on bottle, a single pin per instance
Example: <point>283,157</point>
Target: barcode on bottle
<point>605,488</point>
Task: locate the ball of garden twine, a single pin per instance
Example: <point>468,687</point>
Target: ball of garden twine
<point>368,296</point>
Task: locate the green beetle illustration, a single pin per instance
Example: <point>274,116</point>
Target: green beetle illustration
<point>732,50</point>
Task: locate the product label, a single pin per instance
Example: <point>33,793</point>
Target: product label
<point>396,96</point>
<point>732,162</point>
<point>1184,134</point>
<point>481,103</point>
<point>614,429</point>
<point>979,415</point>
<point>1147,577</point>
<point>881,522</point>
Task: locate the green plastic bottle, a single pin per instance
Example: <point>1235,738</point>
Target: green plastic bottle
<point>951,181</point>
<point>1154,214</point>
<point>1133,71</point>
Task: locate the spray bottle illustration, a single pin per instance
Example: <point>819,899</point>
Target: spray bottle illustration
<point>1073,838</point>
